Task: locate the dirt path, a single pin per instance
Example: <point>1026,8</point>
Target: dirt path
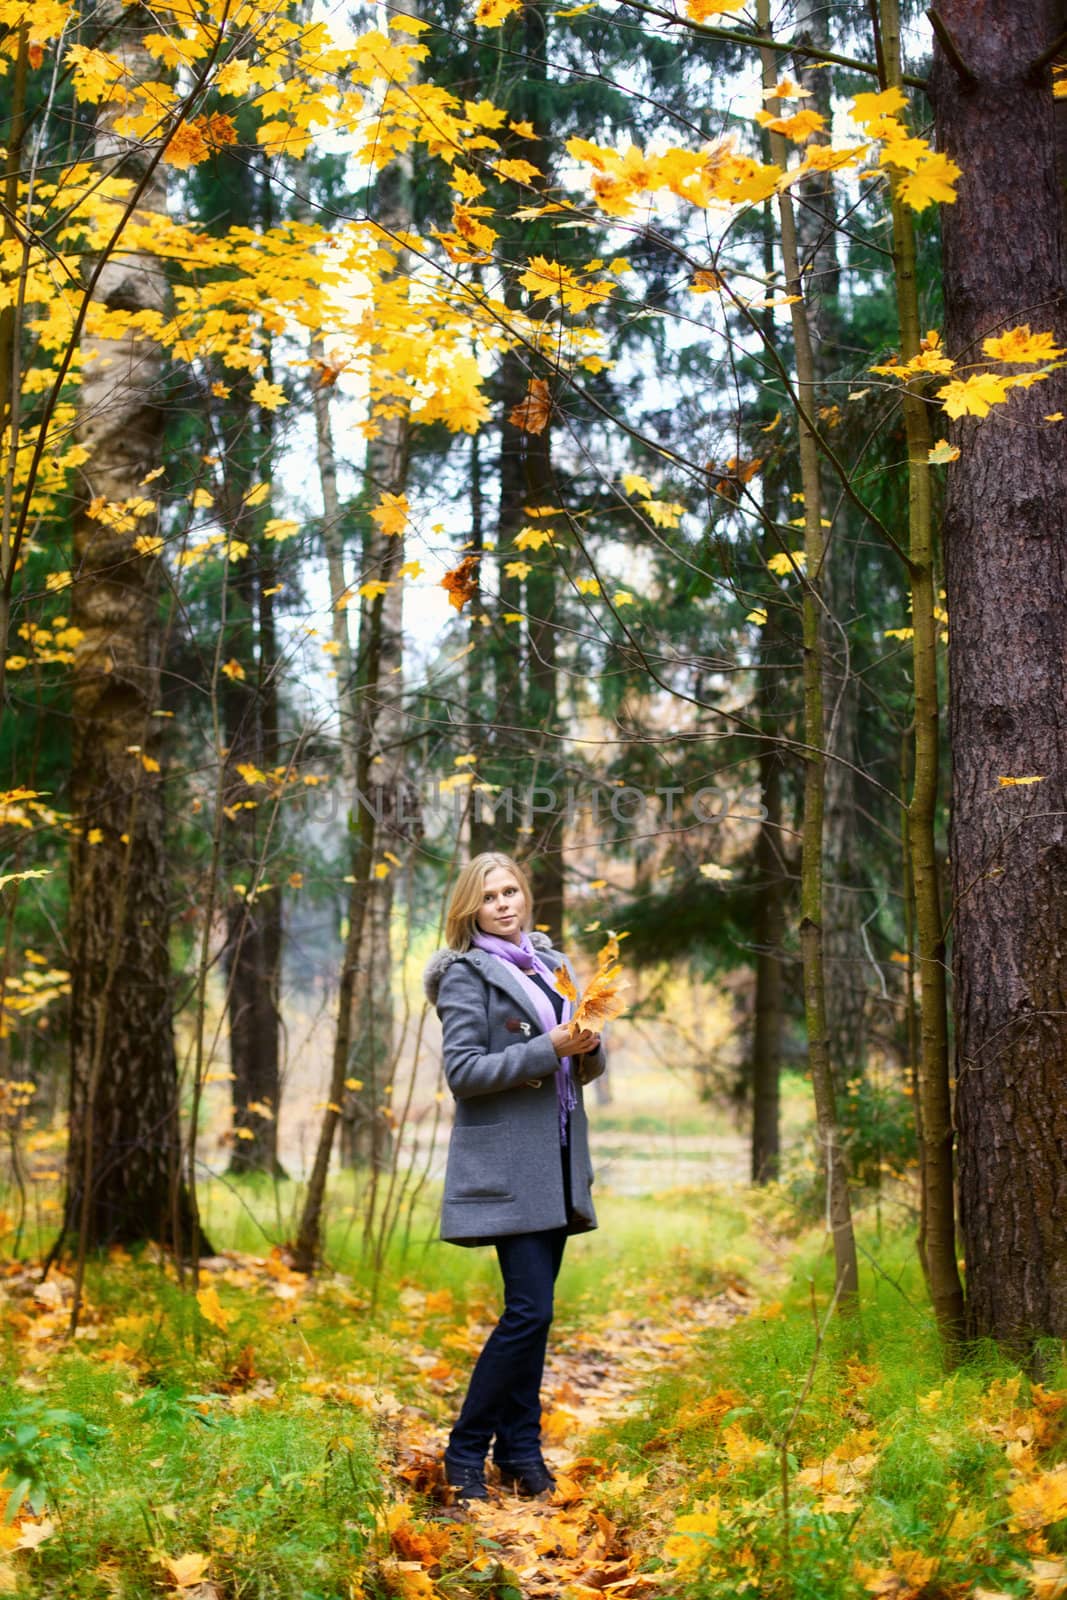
<point>585,1541</point>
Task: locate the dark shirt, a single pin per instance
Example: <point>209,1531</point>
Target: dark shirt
<point>552,993</point>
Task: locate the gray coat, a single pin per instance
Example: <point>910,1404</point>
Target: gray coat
<point>505,1171</point>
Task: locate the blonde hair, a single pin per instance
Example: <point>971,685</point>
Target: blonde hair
<point>465,901</point>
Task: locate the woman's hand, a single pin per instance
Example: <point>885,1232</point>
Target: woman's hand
<point>567,1043</point>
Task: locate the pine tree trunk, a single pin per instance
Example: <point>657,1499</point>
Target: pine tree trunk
<point>123,1160</point>
<point>1005,536</point>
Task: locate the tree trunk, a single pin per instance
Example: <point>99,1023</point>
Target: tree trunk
<point>831,1154</point>
<point>366,1135</point>
<point>922,895</point>
<point>253,950</point>
<point>1005,535</point>
<point>846,966</point>
<point>253,947</point>
<point>123,1160</point>
<point>769,935</point>
<point>542,702</point>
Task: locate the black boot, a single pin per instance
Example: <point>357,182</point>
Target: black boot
<point>530,1479</point>
<point>468,1481</point>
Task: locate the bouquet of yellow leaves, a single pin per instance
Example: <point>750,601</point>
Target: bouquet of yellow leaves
<point>601,1000</point>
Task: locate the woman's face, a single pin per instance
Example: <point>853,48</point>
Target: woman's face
<point>503,908</point>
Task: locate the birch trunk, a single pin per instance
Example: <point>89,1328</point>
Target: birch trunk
<point>123,1178</point>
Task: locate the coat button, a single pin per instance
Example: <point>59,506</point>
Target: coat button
<point>533,1083</point>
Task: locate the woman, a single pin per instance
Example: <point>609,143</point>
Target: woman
<point>519,1173</point>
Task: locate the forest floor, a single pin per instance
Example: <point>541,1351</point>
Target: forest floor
<point>273,1436</point>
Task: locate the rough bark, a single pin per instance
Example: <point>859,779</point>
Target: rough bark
<point>123,1158</point>
<point>1005,536</point>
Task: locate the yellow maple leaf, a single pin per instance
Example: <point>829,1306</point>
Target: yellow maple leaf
<point>1019,344</point>
<point>373,588</point>
<point>20,877</point>
<point>601,1000</point>
<point>468,183</point>
<point>1013,783</point>
<point>787,89</point>
<point>635,483</point>
<point>872,107</point>
<point>32,1532</point>
<point>232,669</point>
<point>212,1310</point>
<point>532,538</point>
<point>785,562</point>
<point>1040,1501</point>
<point>268,395</point>
<point>491,13</point>
<point>520,171</point>
<point>564,985</point>
<point>280,528</point>
<point>663,513</point>
<point>234,78</point>
<point>800,126</point>
<point>517,569</point>
<point>391,514</point>
<point>824,158</point>
<point>690,1544</point>
<point>406,1579</point>
<point>704,10</point>
<point>933,180</point>
<point>187,1571</point>
<point>942,453</point>
<point>975,395</point>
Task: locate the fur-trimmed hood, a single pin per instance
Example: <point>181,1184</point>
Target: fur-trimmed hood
<point>439,964</point>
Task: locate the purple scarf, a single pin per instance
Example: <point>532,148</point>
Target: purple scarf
<point>524,958</point>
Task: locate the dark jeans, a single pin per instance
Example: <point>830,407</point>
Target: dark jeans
<point>504,1398</point>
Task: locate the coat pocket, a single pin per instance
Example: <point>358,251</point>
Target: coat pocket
<point>479,1163</point>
